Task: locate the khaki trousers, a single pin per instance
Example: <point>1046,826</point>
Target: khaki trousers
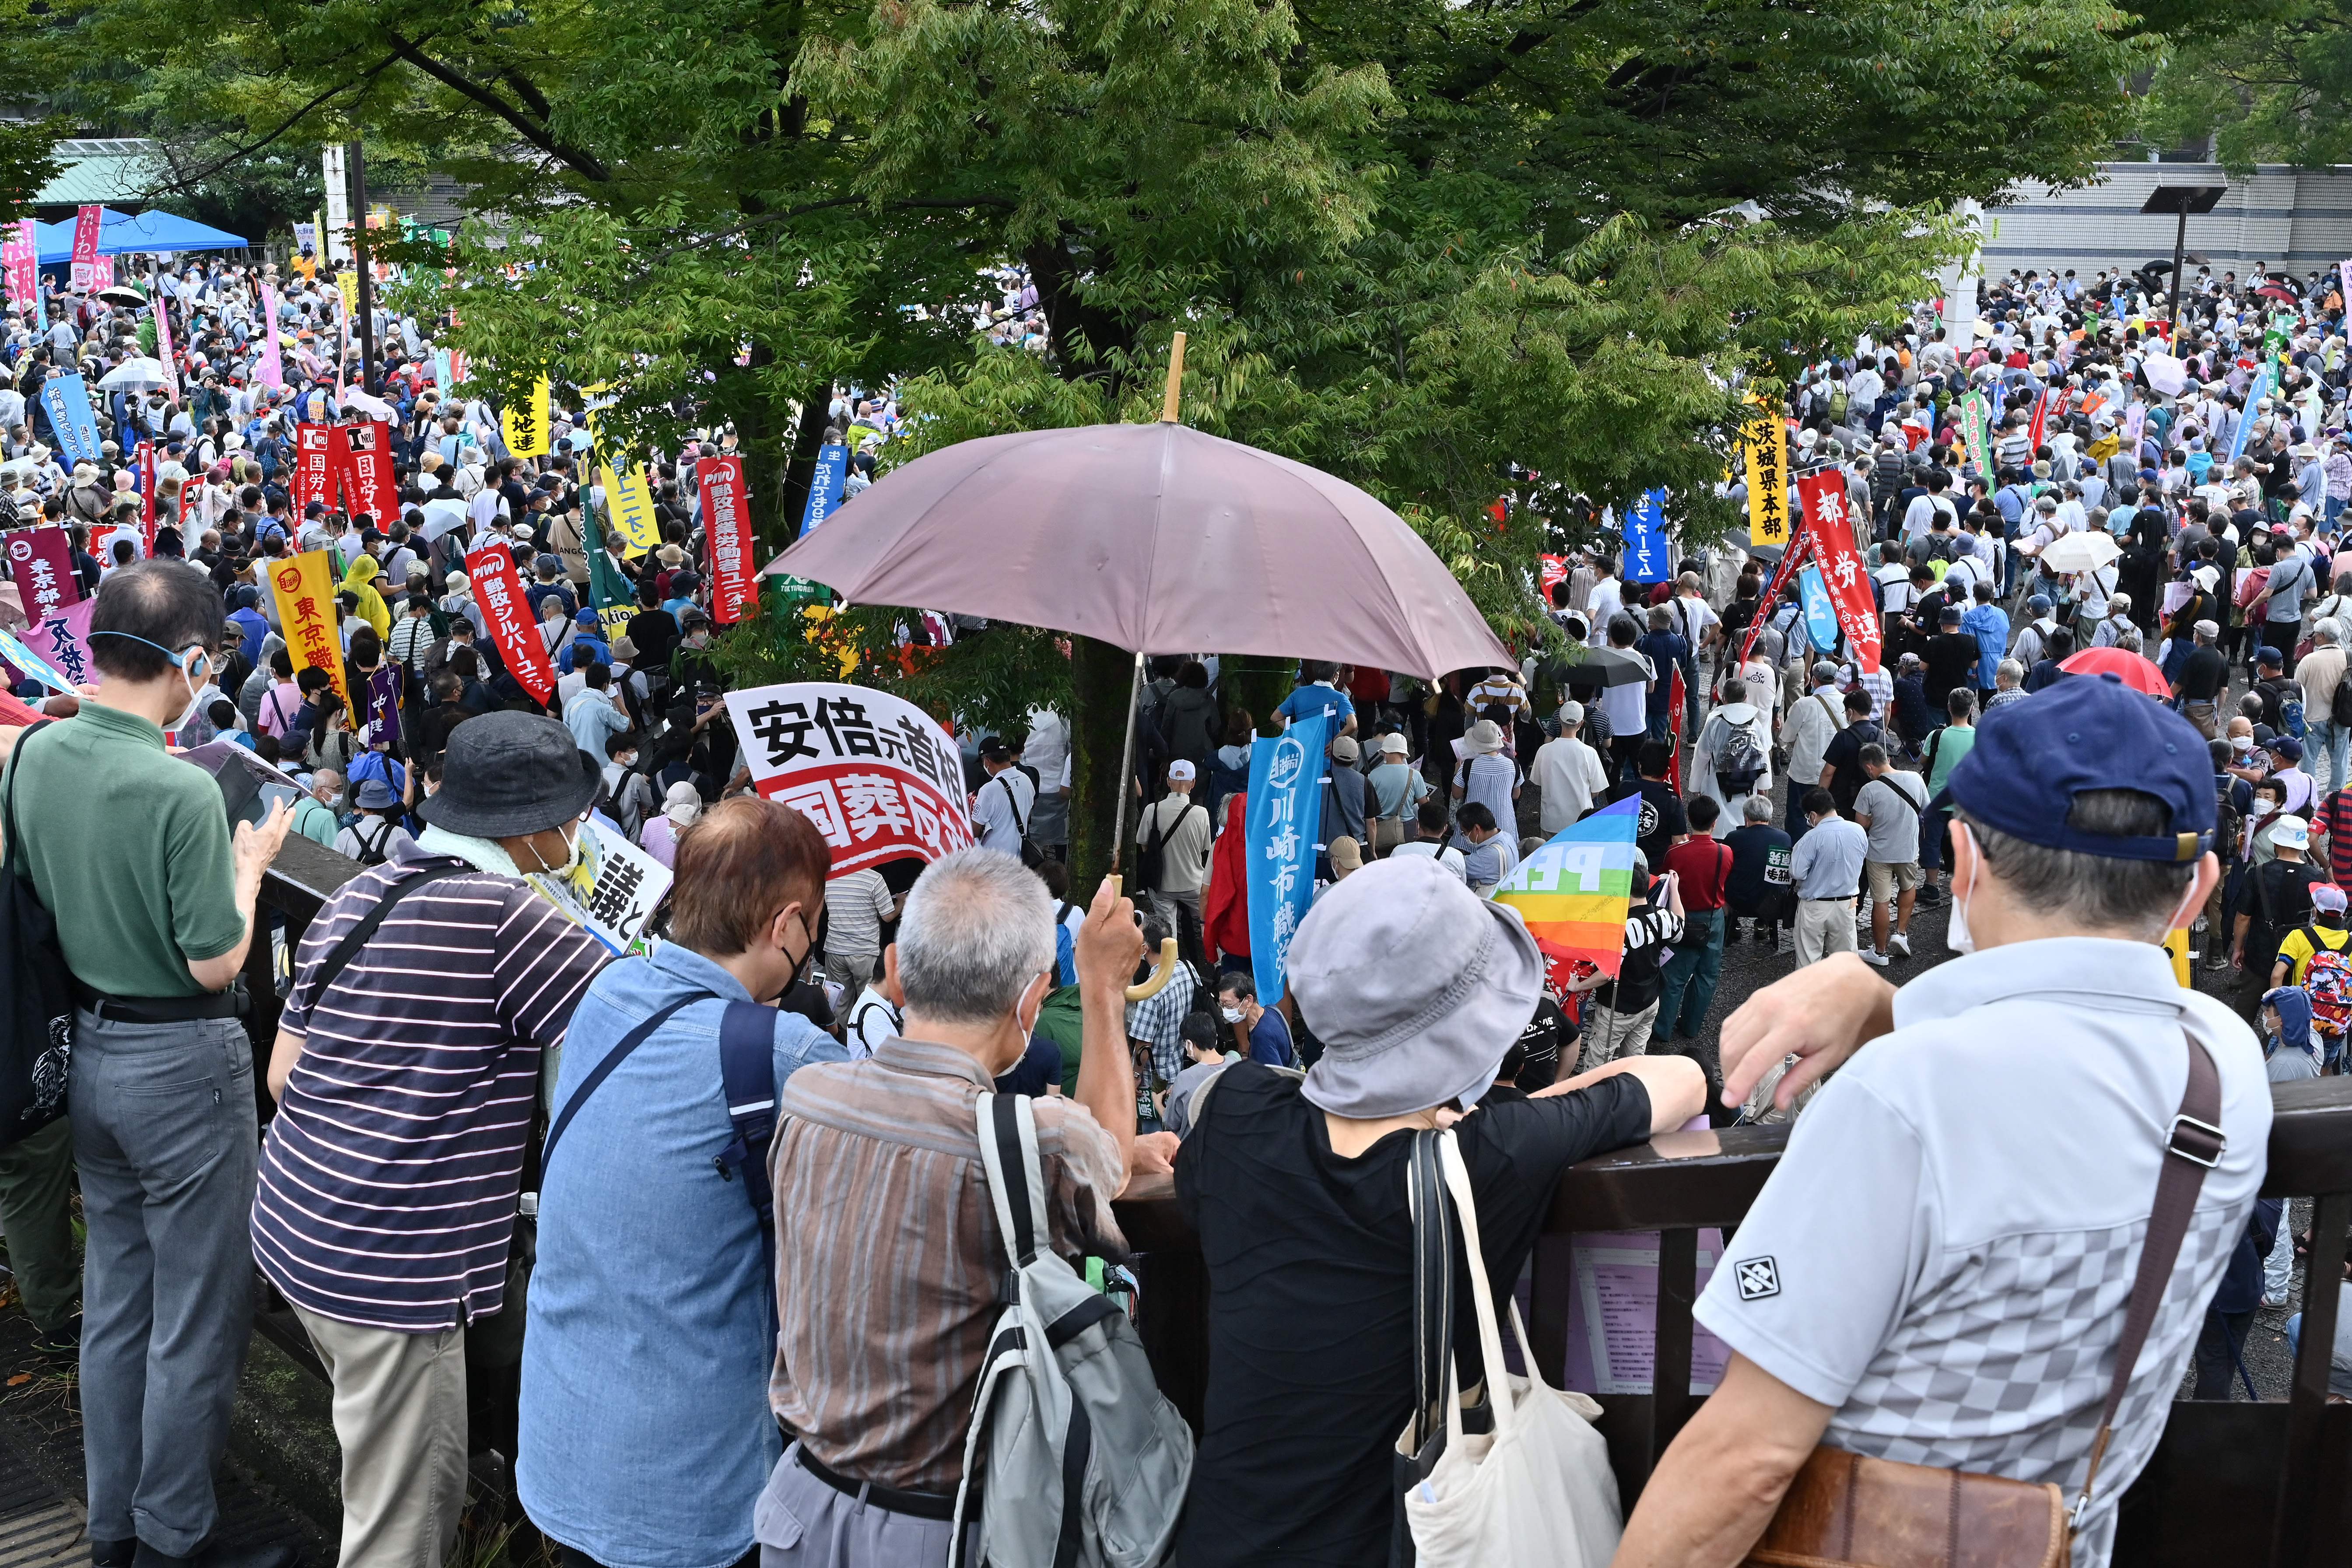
<point>1824,926</point>
<point>400,1415</point>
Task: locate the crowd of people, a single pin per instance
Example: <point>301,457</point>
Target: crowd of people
<point>705,1239</point>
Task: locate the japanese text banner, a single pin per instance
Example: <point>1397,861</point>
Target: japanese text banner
<point>727,524</point>
<point>21,254</point>
<point>66,400</point>
<point>1284,831</point>
<point>1764,440</point>
<point>41,560</point>
<point>1649,558</point>
<point>612,891</point>
<point>305,587</point>
<point>1830,529</point>
<point>497,589</point>
<point>525,425</point>
<point>876,774</point>
<point>56,648</point>
<point>85,248</point>
<point>314,466</point>
<point>825,486</point>
<point>629,503</point>
<point>363,457</point>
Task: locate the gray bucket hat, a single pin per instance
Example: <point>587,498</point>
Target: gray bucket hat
<point>509,773</point>
<point>1398,1038</point>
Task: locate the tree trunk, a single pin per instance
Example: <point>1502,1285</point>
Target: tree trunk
<point>1103,680</point>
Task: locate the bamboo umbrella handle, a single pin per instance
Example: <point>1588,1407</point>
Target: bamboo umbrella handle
<point>1159,976</point>
<point>1175,392</point>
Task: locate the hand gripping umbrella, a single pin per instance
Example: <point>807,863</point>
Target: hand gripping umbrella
<point>1155,538</point>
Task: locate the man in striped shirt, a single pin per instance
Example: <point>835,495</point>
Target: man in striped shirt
<point>888,1266</point>
<point>406,1082</point>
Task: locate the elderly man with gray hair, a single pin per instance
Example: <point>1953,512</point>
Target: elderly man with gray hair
<point>889,1267</point>
<point>2320,673</point>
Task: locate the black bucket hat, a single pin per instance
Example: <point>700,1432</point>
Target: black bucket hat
<point>509,773</point>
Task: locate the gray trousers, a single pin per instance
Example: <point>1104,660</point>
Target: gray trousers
<point>801,1522</point>
<point>165,1134</point>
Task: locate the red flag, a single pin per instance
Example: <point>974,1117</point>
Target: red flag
<point>147,493</point>
<point>314,466</point>
<point>363,456</point>
<point>2041,418</point>
<point>1792,558</point>
<point>1676,696</point>
<point>85,248</point>
<point>498,589</point>
<point>41,560</point>
<point>1824,497</point>
<point>734,591</point>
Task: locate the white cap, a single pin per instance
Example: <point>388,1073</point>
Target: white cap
<point>1181,771</point>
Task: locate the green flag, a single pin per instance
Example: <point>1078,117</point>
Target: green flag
<point>608,589</point>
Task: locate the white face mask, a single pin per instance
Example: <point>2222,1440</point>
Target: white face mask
<point>1955,931</point>
<point>1233,1014</point>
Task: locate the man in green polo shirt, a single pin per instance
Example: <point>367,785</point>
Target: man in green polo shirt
<point>130,848</point>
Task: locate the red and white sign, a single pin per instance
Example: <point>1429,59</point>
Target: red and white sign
<point>85,248</point>
<point>734,590</point>
<point>1555,570</point>
<point>21,253</point>
<point>41,560</point>
<point>498,589</point>
<point>314,465</point>
<point>1831,532</point>
<point>876,774</point>
<point>363,457</point>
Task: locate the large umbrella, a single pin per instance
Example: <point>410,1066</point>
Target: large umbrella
<point>122,294</point>
<point>1595,669</point>
<point>2081,552</point>
<point>1153,538</point>
<point>2135,671</point>
<point>137,373</point>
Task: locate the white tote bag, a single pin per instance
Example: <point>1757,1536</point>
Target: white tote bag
<point>1536,1493</point>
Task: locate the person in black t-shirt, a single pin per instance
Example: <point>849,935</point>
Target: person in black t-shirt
<point>1298,1193</point>
<point>1663,819</point>
<point>1842,761</point>
<point>1951,656</point>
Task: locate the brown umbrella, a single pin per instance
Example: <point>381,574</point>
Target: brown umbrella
<point>1153,538</point>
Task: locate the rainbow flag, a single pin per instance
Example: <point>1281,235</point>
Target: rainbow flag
<point>1575,891</point>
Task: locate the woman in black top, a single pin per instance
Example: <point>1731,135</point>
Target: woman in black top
<point>1417,988</point>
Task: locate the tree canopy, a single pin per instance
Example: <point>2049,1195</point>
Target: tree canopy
<point>2269,81</point>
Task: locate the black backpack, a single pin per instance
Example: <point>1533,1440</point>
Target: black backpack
<point>374,853</point>
<point>1151,855</point>
<point>37,1048</point>
<point>2339,706</point>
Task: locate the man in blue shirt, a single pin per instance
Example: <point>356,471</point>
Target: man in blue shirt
<point>1262,1032</point>
<point>1319,694</point>
<point>653,1293</point>
<point>1989,624</point>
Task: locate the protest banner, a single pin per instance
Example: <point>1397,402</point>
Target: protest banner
<point>347,282</point>
<point>314,466</point>
<point>878,776</point>
<point>1976,422</point>
<point>1764,442</point>
<point>1830,529</point>
<point>612,892</point>
<point>1649,557</point>
<point>1284,835</point>
<point>1821,614</point>
<point>525,425</point>
<point>1574,892</point>
<point>727,525</point>
<point>41,561</point>
<point>84,271</point>
<point>66,400</point>
<point>20,253</point>
<point>61,643</point>
<point>102,272</point>
<point>629,505</point>
<point>32,237</point>
<point>146,472</point>
<point>1791,559</point>
<point>272,369</point>
<point>2258,389</point>
<point>164,355</point>
<point>1555,570</point>
<point>609,593</point>
<point>362,459</point>
<point>513,630</point>
<point>305,589</point>
<point>825,495</point>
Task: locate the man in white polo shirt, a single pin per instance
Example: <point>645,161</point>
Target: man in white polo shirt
<point>1937,1271</point>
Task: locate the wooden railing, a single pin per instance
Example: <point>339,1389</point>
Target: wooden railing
<point>2231,1483</point>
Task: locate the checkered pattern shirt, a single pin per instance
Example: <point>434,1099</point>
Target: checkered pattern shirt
<point>1159,1019</point>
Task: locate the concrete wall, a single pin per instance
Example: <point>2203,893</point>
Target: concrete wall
<point>2302,219</point>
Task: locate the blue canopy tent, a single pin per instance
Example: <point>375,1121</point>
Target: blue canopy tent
<point>136,233</point>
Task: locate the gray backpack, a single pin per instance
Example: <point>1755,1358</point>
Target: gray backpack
<point>1074,1460</point>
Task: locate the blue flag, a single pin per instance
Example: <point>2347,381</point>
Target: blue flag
<point>824,496</point>
<point>1821,614</point>
<point>2256,390</point>
<point>1283,834</point>
<point>1648,557</point>
<point>66,400</point>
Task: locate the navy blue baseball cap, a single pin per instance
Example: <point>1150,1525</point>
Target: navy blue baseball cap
<point>2088,733</point>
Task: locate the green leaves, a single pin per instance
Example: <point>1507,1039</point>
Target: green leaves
<point>2271,81</point>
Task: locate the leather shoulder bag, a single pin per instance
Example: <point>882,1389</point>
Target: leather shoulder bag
<point>1849,1509</point>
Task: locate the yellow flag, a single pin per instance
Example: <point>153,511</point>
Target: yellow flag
<point>525,425</point>
<point>1765,441</point>
<point>347,281</point>
<point>305,587</point>
<point>630,503</point>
